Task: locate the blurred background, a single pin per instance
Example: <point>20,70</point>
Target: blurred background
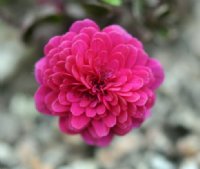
<point>170,139</point>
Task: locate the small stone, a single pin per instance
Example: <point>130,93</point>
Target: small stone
<point>23,106</point>
<point>11,129</point>
<point>189,164</point>
<point>161,143</point>
<point>86,164</point>
<point>12,51</point>
<point>160,162</point>
<point>55,156</point>
<point>189,146</point>
<point>121,147</point>
<point>7,156</point>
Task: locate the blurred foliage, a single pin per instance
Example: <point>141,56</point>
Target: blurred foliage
<point>113,2</point>
<point>29,31</point>
<point>149,20</point>
<point>96,9</point>
<point>4,1</point>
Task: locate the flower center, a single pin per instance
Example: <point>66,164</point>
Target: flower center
<point>99,81</point>
<point>98,85</point>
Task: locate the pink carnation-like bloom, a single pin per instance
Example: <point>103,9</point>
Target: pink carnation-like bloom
<point>100,83</point>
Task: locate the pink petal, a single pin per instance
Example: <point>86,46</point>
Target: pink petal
<point>75,72</point>
<point>90,31</point>
<point>147,114</point>
<point>140,113</point>
<point>79,25</point>
<point>50,98</point>
<point>123,49</point>
<point>133,98</point>
<point>144,73</point>
<point>127,87</point>
<point>135,42</point>
<point>158,73</point>
<point>65,44</point>
<point>68,36</point>
<point>131,59</point>
<point>126,94</point>
<point>137,122</point>
<point>116,28</point>
<point>122,129</point>
<point>115,100</point>
<point>39,98</point>
<point>143,99</point>
<point>62,98</point>
<point>65,127</point>
<point>131,109</point>
<point>121,80</point>
<point>97,45</point>
<point>88,138</point>
<point>53,42</point>
<point>79,60</point>
<point>76,109</point>
<point>114,65</point>
<point>119,57</point>
<point>57,107</point>
<point>116,110</point>
<point>142,58</point>
<point>110,120</point>
<point>116,38</point>
<point>105,38</point>
<point>72,97</point>
<point>100,109</point>
<point>122,117</point>
<point>79,122</point>
<point>100,128</point>
<point>104,141</point>
<point>79,47</point>
<point>137,83</point>
<point>70,61</point>
<point>90,112</point>
<point>39,67</point>
<point>84,102</point>
<point>83,37</point>
<point>57,78</point>
<point>94,103</point>
<point>108,97</point>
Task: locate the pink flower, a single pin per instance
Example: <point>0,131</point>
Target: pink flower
<point>100,83</point>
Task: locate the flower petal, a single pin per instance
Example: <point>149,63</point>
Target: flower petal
<point>57,107</point>
<point>100,109</point>
<point>90,112</point>
<point>79,25</point>
<point>79,122</point>
<point>110,120</point>
<point>39,98</point>
<point>72,97</point>
<point>157,71</point>
<point>100,128</point>
<point>39,67</point>
<point>65,125</point>
<point>76,109</point>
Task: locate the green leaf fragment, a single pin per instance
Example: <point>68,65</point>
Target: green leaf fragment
<point>113,2</point>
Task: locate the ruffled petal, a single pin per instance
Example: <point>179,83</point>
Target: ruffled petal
<point>79,25</point>
<point>158,73</point>
<point>39,67</point>
<point>100,128</point>
<point>39,98</point>
<point>79,122</point>
<point>102,142</point>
